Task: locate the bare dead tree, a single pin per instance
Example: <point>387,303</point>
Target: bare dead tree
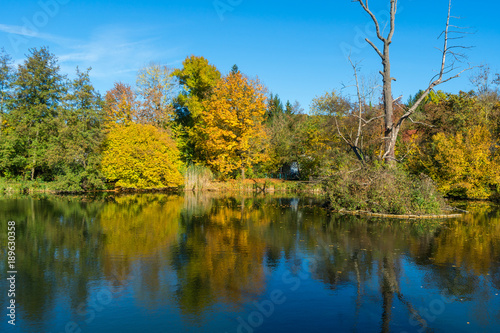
<point>481,79</point>
<point>392,128</point>
<point>355,141</point>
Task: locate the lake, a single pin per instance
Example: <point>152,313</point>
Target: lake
<point>214,263</point>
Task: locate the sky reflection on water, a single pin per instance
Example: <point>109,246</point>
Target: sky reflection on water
<point>207,263</point>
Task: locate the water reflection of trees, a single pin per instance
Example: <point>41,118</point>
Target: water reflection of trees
<point>57,252</point>
<point>461,257</point>
<point>137,226</point>
<point>218,259</point>
<point>201,250</point>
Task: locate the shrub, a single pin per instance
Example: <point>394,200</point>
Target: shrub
<point>381,189</point>
<point>141,156</point>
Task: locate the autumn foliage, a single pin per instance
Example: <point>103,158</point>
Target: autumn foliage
<point>121,105</point>
<point>192,125</point>
<point>465,165</point>
<point>141,156</point>
<point>458,146</point>
<point>230,130</point>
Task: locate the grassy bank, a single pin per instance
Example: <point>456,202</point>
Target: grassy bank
<point>233,186</point>
<point>266,185</point>
<point>25,186</point>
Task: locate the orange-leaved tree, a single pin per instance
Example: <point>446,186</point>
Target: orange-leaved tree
<point>121,104</point>
<point>231,132</point>
<point>141,156</point>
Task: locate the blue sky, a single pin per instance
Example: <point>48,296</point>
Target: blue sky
<point>296,48</point>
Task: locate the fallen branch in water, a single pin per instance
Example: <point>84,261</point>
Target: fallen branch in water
<point>398,216</point>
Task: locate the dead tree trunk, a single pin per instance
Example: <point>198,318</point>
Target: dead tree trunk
<point>386,74</point>
<point>392,127</point>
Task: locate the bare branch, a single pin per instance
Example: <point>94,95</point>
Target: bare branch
<point>372,119</point>
<point>366,122</point>
<point>352,171</point>
<point>444,74</point>
<point>420,123</point>
<point>394,4</point>
<point>377,26</point>
<point>360,108</point>
<point>444,70</point>
<point>445,48</point>
<point>375,48</point>
<point>340,133</point>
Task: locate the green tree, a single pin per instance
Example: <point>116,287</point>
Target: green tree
<point>76,149</point>
<point>6,80</point>
<point>235,69</point>
<point>197,78</point>
<point>331,129</point>
<point>7,77</point>
<point>286,134</point>
<point>290,109</point>
<point>274,106</point>
<point>38,90</point>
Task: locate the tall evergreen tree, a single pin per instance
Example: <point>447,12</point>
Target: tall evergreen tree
<point>7,76</point>
<point>75,151</point>
<point>6,79</point>
<point>274,106</point>
<point>289,109</point>
<point>235,69</point>
<point>38,90</point>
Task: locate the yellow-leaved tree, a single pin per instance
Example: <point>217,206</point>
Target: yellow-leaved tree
<point>230,130</point>
<point>141,156</point>
<point>466,164</point>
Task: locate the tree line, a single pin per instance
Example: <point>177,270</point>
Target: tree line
<point>59,130</point>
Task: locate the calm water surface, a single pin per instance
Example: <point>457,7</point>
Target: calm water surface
<point>166,263</point>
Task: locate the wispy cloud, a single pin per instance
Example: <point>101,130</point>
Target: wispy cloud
<point>28,33</point>
<point>117,53</point>
<point>115,50</point>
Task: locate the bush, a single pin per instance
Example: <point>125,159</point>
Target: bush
<point>142,157</point>
<point>381,189</point>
